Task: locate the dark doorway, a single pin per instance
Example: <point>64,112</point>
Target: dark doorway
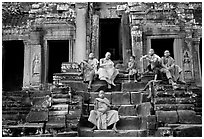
<point>58,53</point>
<point>12,65</point>
<point>160,45</point>
<point>109,38</point>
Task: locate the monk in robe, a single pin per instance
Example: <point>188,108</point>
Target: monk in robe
<point>107,70</point>
<point>102,116</point>
<point>153,62</point>
<point>90,69</point>
<point>168,65</point>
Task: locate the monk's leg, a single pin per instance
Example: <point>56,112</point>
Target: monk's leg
<point>93,119</point>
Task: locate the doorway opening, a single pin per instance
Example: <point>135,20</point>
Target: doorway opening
<point>12,65</point>
<point>58,51</point>
<point>160,45</point>
<point>109,38</point>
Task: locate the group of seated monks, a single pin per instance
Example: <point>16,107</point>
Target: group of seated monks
<point>106,70</point>
<point>103,116</point>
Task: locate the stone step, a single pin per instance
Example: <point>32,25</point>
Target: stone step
<point>165,100</point>
<point>132,87</point>
<point>57,119</point>
<point>128,122</point>
<point>86,132</point>
<point>173,93</point>
<point>118,98</point>
<point>58,113</point>
<point>170,107</point>
<point>60,134</point>
<point>13,117</point>
<point>63,107</point>
<point>56,95</point>
<point>76,85</point>
<point>55,125</point>
<point>16,108</point>
<point>37,116</point>
<point>179,116</point>
<point>15,112</point>
<point>188,130</point>
<point>143,109</point>
<point>60,100</point>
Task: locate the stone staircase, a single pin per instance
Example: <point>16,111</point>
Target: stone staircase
<point>167,113</point>
<point>175,111</point>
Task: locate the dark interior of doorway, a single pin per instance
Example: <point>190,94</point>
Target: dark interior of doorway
<point>160,45</point>
<point>12,65</point>
<point>58,53</point>
<point>109,38</point>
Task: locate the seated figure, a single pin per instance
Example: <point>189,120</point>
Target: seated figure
<point>90,69</point>
<point>107,70</point>
<point>168,66</point>
<point>132,69</point>
<point>153,62</point>
<point>102,116</point>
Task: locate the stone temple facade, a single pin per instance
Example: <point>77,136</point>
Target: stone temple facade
<point>43,43</point>
<point>38,37</point>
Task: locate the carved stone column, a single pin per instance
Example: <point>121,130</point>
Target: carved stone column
<point>27,65</point>
<point>80,47</point>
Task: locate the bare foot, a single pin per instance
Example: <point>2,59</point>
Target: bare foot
<point>115,129</point>
<point>109,86</point>
<point>94,128</point>
<point>149,96</point>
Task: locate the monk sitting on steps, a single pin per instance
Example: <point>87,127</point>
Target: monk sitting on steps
<point>102,116</point>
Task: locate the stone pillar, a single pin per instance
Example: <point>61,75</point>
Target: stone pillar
<point>80,47</point>
<point>95,36</point>
<point>27,64</point>
<point>196,62</point>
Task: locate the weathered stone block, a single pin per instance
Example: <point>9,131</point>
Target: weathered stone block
<point>98,85</point>
<point>189,117</point>
<point>68,134</point>
<point>37,116</point>
<point>188,131</point>
<point>170,117</point>
<point>148,122</point>
<point>164,93</point>
<point>136,98</point>
<point>144,97</point>
<point>185,100</point>
<point>127,110</point>
<point>165,101</point>
<point>132,87</point>
<point>164,132</point>
<point>77,86</point>
<point>85,132</point>
<point>52,113</point>
<point>144,109</point>
<point>60,95</point>
<point>165,107</point>
<point>142,133</point>
<point>185,106</point>
<point>57,119</point>
<point>104,133</point>
<point>129,123</point>
<point>60,100</point>
<point>120,98</point>
<point>58,107</point>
